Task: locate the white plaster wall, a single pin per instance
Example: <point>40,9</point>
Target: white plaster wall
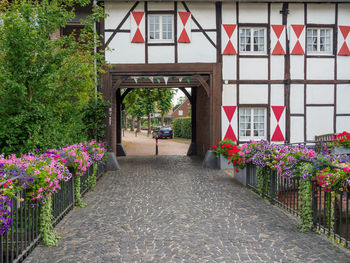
<point>296,129</point>
<point>319,120</point>
<point>205,14</point>
<point>319,94</point>
<point>297,98</point>
<point>276,17</point>
<point>159,54</point>
<point>277,67</point>
<point>297,67</point>
<point>320,68</point>
<point>229,95</point>
<point>116,12</point>
<point>229,13</point>
<point>260,94</point>
<point>252,13</point>
<point>160,6</point>
<point>344,14</point>
<point>321,13</point>
<point>296,14</point>
<point>253,68</point>
<point>343,123</point>
<point>229,67</point>
<point>343,98</point>
<point>123,51</point>
<point>199,50</point>
<point>343,66</point>
<point>277,95</point>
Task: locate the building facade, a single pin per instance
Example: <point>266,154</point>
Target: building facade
<point>182,111</point>
<point>278,71</point>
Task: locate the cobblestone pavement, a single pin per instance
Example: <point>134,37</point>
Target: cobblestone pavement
<point>170,209</point>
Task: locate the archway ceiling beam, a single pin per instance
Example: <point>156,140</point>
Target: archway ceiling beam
<point>204,82</point>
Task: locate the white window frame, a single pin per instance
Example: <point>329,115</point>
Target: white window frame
<point>319,52</point>
<point>161,40</point>
<point>252,52</point>
<point>252,137</point>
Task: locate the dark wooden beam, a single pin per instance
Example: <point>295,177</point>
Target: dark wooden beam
<point>120,25</point>
<point>187,94</point>
<point>199,26</point>
<point>204,83</point>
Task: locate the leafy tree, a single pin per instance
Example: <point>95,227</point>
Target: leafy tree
<point>164,102</point>
<point>44,84</point>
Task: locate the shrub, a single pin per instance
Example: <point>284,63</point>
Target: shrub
<point>183,128</point>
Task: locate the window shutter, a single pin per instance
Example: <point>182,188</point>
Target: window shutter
<point>278,123</point>
<point>344,41</point>
<point>137,27</point>
<point>297,39</point>
<point>184,27</point>
<point>229,122</point>
<point>278,40</point>
<point>229,39</point>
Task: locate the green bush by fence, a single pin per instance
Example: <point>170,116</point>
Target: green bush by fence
<point>182,128</point>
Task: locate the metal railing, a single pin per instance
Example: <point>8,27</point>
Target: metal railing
<point>24,233</point>
<point>285,194</point>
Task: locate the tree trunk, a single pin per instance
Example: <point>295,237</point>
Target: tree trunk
<point>125,121</point>
<point>149,124</point>
<point>162,120</point>
<point>138,124</point>
<point>132,123</point>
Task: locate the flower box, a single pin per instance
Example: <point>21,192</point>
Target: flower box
<point>241,175</point>
<point>341,150</point>
<point>223,163</point>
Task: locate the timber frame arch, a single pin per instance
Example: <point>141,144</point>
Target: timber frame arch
<point>206,84</point>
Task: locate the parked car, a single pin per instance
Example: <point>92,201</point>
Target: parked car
<point>163,132</point>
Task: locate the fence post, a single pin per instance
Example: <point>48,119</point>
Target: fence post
<point>273,175</point>
<point>72,192</point>
<point>248,175</point>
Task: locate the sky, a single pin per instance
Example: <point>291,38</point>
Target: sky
<point>178,95</point>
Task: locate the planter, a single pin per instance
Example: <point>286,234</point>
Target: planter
<point>341,150</point>
<point>222,163</point>
<point>241,176</point>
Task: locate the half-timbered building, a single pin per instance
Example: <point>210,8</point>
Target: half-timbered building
<point>274,70</point>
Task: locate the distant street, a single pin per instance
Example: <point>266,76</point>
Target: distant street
<point>143,145</point>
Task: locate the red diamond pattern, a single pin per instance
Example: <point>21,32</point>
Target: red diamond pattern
<point>278,49</point>
<point>184,38</point>
<point>277,135</point>
<point>229,49</point>
<point>298,49</point>
<point>138,38</point>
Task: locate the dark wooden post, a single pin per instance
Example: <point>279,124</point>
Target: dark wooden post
<point>192,150</point>
<point>120,148</point>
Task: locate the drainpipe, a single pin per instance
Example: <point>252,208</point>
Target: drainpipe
<point>95,51</point>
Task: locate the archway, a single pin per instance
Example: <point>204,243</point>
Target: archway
<point>204,80</point>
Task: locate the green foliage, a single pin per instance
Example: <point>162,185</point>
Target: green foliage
<point>94,114</point>
<point>77,194</point>
<point>305,194</point>
<point>44,84</point>
<point>49,236</point>
<point>92,178</point>
<point>183,128</point>
<point>263,179</point>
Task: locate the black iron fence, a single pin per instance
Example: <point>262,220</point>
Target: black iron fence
<point>331,215</point>
<point>24,233</point>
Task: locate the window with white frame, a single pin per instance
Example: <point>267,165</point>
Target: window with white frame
<point>252,123</point>
<point>319,40</point>
<point>252,40</point>
<point>161,28</point>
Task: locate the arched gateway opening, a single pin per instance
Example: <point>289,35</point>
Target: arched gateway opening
<point>203,79</point>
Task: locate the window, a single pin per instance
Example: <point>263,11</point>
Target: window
<point>252,123</point>
<point>252,40</point>
<point>181,113</point>
<point>161,27</point>
<point>319,40</point>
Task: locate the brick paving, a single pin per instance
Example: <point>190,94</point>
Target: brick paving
<point>170,209</point>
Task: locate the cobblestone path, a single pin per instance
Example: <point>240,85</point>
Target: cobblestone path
<point>170,209</point>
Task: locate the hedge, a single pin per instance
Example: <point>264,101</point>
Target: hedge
<point>182,128</point>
